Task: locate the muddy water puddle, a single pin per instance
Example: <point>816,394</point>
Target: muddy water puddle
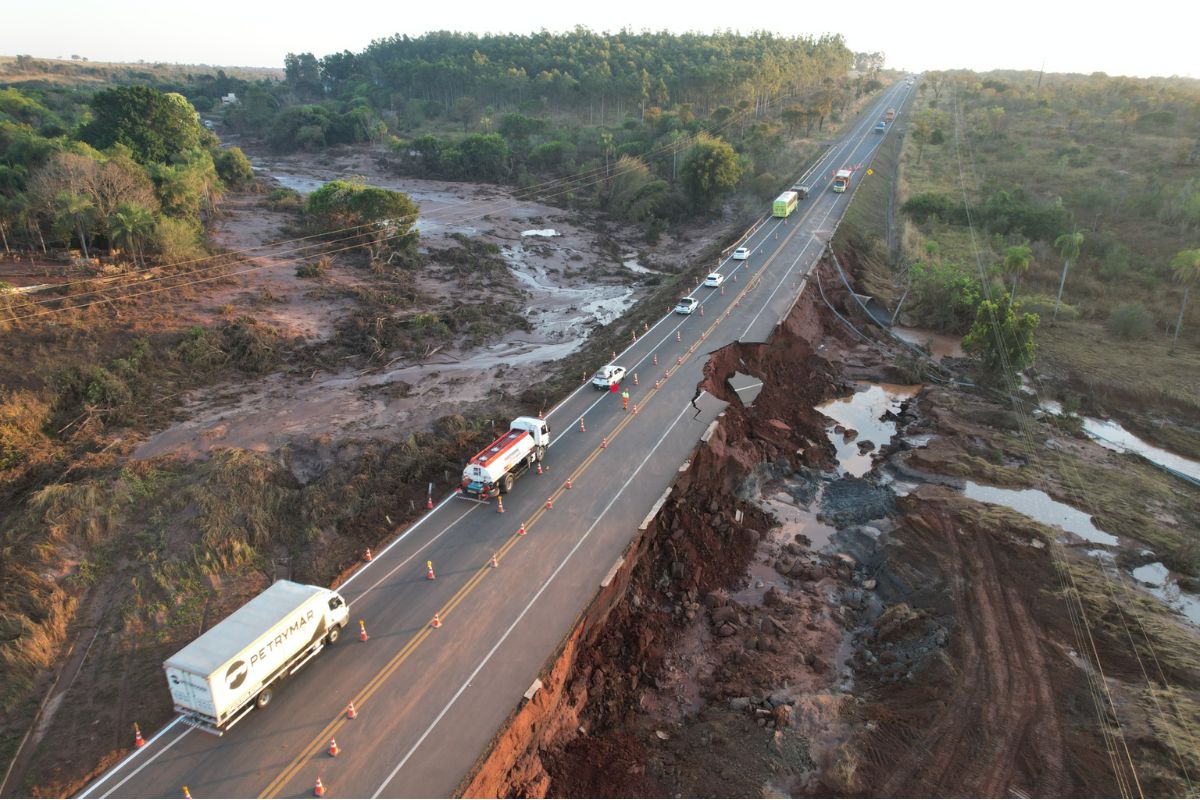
<point>1158,581</point>
<point>1112,435</point>
<point>861,416</point>
<point>1039,506</point>
<point>939,345</point>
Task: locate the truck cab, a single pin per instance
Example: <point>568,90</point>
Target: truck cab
<point>841,180</point>
<point>880,126</point>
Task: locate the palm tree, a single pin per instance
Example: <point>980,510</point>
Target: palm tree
<point>1186,265</point>
<point>74,210</point>
<point>1068,247</point>
<point>129,226</point>
<point>1016,262</point>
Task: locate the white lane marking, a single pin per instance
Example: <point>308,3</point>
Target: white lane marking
<point>687,406</point>
<point>428,514</point>
<point>767,303</point>
<point>96,784</point>
<point>413,555</point>
<point>149,761</point>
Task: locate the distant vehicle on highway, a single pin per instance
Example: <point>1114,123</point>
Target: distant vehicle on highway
<point>607,375</point>
<point>714,280</point>
<point>880,127</point>
<point>890,115</point>
<point>801,190</point>
<point>687,305</point>
<point>741,254</point>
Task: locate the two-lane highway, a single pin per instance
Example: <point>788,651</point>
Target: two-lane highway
<point>429,700</point>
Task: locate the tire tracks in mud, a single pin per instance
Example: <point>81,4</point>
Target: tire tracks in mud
<point>997,731</point>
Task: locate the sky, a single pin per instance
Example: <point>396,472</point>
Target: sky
<point>1152,37</point>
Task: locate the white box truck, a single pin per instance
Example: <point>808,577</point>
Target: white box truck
<point>232,668</point>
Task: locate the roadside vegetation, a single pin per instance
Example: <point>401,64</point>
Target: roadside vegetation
<point>1082,206</point>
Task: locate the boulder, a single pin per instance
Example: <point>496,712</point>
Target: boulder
<point>726,630</point>
<point>724,614</point>
<point>739,703</point>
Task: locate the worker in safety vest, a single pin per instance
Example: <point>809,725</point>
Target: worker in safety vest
<point>625,399</point>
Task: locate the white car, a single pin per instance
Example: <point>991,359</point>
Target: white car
<point>741,254</point>
<point>714,280</point>
<point>687,305</point>
<point>607,376</point>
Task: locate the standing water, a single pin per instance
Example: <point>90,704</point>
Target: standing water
<point>1039,506</point>
<point>1110,434</point>
<point>861,413</point>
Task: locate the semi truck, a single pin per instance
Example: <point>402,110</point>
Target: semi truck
<point>494,468</point>
<point>841,180</point>
<point>235,666</point>
<point>890,115</point>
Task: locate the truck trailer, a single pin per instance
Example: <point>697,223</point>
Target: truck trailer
<point>494,468</point>
<point>235,666</point>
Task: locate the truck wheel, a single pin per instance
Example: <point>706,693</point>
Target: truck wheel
<point>333,634</point>
<point>540,453</point>
<point>264,698</point>
<point>506,484</point>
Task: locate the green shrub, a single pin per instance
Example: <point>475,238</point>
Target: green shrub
<point>1131,321</point>
<point>177,240</point>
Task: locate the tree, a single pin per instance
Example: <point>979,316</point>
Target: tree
<point>466,111</point>
<point>1186,266</point>
<point>922,129</point>
<point>303,74</point>
<point>710,169</point>
<point>152,124</point>
<point>1068,247</point>
<point>1002,339</point>
<point>74,211</point>
<point>129,227</point>
<point>234,168</point>
<point>383,217</point>
<point>1016,263</point>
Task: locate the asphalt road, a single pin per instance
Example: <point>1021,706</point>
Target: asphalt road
<point>430,700</point>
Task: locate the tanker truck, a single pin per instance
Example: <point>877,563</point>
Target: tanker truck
<point>494,468</point>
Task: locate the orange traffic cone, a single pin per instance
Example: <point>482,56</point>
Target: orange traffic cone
<point>656,359</point>
<point>635,379</point>
<point>604,443</point>
<point>521,530</point>
<point>540,415</point>
<point>635,408</point>
<point>549,504</point>
<point>368,556</point>
<point>581,428</point>
<point>138,741</point>
<point>351,713</point>
<point>569,482</point>
<point>678,337</point>
<point>722,291</point>
<point>679,361</point>
<point>429,502</point>
<point>645,327</point>
<point>362,631</point>
<point>735,277</point>
<point>499,504</point>
<point>437,621</point>
<point>318,790</point>
<point>186,794</point>
<point>333,748</point>
<point>495,562</point>
<point>702,311</point>
<point>539,468</point>
<point>429,576</point>
<point>633,336</point>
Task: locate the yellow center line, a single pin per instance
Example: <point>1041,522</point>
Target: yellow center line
<point>317,745</point>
